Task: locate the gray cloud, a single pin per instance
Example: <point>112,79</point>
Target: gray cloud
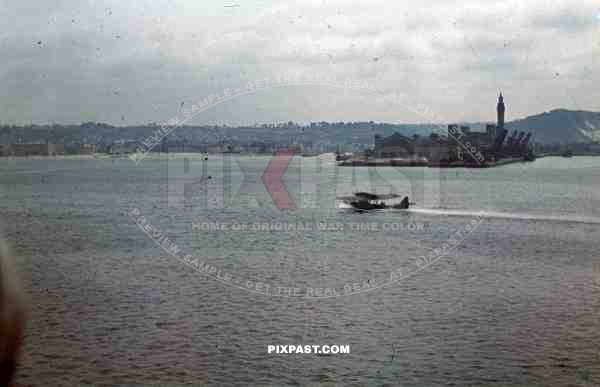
<point>136,62</point>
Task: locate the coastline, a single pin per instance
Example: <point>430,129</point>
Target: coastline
<point>425,163</point>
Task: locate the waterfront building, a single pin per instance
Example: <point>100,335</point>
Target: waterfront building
<point>86,149</point>
<point>5,150</point>
<point>491,131</point>
<point>47,149</point>
<point>122,148</point>
<point>394,146</point>
<point>460,144</point>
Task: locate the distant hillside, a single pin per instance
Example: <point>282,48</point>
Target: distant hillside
<point>560,126</point>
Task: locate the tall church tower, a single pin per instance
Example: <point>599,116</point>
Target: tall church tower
<point>500,109</point>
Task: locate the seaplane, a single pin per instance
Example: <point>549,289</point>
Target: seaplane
<point>365,201</point>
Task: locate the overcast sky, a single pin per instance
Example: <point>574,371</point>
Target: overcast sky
<point>133,62</point>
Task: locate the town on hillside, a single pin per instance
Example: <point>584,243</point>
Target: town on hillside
<point>355,143</point>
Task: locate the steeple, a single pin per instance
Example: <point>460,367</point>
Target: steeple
<point>500,109</point>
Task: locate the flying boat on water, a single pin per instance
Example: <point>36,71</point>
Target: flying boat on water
<point>365,201</point>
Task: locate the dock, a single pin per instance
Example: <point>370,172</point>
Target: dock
<point>430,164</point>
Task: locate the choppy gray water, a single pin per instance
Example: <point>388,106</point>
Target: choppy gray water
<point>515,303</point>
